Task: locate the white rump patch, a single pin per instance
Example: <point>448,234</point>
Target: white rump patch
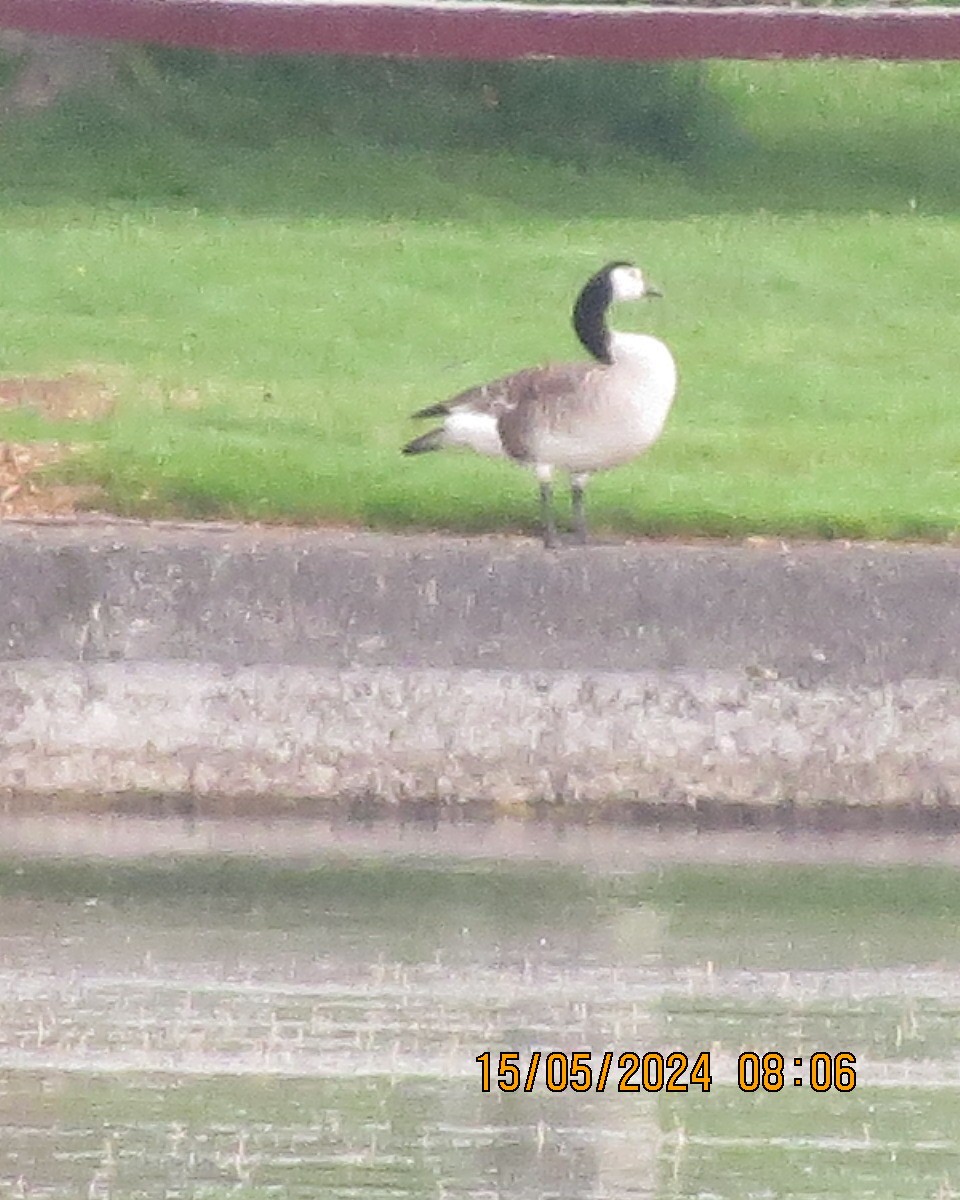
<point>476,430</point>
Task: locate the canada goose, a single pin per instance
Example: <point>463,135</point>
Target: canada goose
<point>579,417</point>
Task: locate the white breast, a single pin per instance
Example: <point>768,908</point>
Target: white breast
<point>645,369</point>
<point>623,414</point>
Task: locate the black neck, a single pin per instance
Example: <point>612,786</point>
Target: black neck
<point>590,317</point>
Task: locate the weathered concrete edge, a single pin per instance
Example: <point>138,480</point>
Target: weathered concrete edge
<point>273,664</point>
<point>474,737</point>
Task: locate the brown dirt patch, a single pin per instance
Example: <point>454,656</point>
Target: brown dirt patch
<point>23,490</point>
<point>76,396</point>
<point>73,397</point>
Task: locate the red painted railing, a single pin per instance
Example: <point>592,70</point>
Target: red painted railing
<point>499,31</point>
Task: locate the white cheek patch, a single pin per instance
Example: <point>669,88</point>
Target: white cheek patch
<point>627,283</point>
<point>476,430</point>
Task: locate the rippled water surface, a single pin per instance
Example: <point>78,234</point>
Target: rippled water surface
<point>218,1024</point>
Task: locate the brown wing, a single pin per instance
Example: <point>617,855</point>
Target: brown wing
<point>542,399</point>
<point>535,398</point>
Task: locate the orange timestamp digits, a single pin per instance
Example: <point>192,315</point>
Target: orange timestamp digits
<point>768,1072</point>
<point>653,1071</point>
<point>581,1071</point>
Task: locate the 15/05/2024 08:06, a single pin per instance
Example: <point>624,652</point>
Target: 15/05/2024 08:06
<point>655,1071</point>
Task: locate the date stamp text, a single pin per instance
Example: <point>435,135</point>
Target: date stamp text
<point>656,1071</point>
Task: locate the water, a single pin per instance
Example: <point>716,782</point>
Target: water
<point>207,1025</point>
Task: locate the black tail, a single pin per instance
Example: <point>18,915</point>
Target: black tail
<point>427,441</point>
<point>433,410</point>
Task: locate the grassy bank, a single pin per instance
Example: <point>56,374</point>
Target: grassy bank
<point>268,301</point>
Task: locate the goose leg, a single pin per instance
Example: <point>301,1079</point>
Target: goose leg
<point>548,521</point>
<point>547,518</point>
<point>577,485</point>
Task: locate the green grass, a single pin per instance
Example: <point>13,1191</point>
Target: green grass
<point>271,300</point>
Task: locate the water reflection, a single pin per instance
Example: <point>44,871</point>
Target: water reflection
<point>215,1025</point>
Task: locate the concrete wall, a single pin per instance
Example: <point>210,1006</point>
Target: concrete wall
<point>216,663</point>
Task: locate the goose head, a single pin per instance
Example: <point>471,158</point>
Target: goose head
<point>616,281</point>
